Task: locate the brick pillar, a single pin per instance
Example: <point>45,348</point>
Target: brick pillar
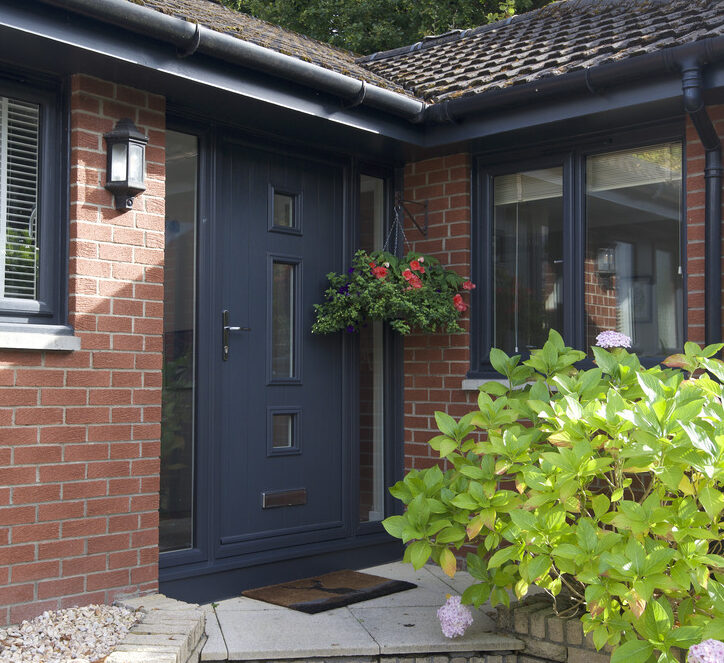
<point>80,431</point>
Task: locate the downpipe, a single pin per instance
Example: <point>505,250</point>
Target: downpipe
<point>693,93</point>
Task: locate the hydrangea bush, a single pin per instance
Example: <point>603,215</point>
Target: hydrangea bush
<point>602,486</point>
<point>454,617</point>
<point>414,292</point>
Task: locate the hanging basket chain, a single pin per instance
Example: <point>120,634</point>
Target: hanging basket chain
<point>396,229</point>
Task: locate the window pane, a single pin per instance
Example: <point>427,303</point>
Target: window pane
<point>371,375</point>
<point>177,423</point>
<point>283,320</point>
<point>284,210</point>
<point>633,274</point>
<point>528,254</point>
<point>19,135</point>
<point>282,431</point>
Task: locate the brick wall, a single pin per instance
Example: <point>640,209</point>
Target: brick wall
<point>436,364</point>
<point>79,432</point>
<point>694,154</point>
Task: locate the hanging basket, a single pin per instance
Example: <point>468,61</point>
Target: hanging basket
<point>410,293</point>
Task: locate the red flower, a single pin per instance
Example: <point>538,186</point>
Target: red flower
<point>415,282</point>
<point>468,285</point>
<point>459,304</point>
<point>408,275</point>
<point>415,265</point>
<point>379,272</point>
<point>372,265</point>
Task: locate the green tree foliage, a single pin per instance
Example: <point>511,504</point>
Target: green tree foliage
<point>603,487</point>
<point>367,26</point>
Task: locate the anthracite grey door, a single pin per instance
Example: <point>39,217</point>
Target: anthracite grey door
<point>280,456</point>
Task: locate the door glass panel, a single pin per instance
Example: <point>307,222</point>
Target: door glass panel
<point>372,387</point>
<point>179,337</point>
<point>282,431</point>
<point>282,327</point>
<point>633,274</point>
<point>528,254</point>
<point>284,210</point>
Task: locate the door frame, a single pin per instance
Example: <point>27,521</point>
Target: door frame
<point>195,572</point>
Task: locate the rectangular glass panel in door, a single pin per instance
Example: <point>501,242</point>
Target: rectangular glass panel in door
<point>282,324</point>
<point>371,375</point>
<point>179,337</point>
<point>633,274</point>
<point>528,255</point>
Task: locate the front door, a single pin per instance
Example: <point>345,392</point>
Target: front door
<point>280,453</point>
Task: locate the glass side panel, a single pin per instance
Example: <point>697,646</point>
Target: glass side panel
<point>284,210</point>
<point>179,337</point>
<point>19,142</point>
<point>282,328</point>
<point>282,431</point>
<point>371,375</point>
<point>528,254</point>
<point>633,273</point>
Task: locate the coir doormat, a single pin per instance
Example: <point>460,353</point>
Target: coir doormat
<point>328,591</point>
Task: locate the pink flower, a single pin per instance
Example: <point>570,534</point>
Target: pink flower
<point>468,285</point>
<point>454,617</point>
<point>379,272</point>
<point>709,651</point>
<point>415,265</point>
<point>408,275</point>
<point>415,282</point>
<point>459,304</point>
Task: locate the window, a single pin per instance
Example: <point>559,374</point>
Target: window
<point>32,250</point>
<point>582,243</point>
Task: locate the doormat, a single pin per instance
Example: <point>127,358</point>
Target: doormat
<point>328,591</point>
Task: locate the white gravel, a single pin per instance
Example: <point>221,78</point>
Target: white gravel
<point>77,635</point>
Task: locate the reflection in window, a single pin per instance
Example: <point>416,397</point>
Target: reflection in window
<point>371,375</point>
<point>19,141</point>
<point>633,275</point>
<point>282,327</point>
<point>179,337</point>
<point>283,431</point>
<point>528,255</point>
<point>284,210</point>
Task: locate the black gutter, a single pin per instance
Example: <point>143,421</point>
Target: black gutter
<point>189,38</point>
<point>692,86</point>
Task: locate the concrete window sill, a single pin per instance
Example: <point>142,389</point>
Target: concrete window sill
<point>39,337</point>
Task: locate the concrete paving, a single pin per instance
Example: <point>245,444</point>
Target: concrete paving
<point>242,629</point>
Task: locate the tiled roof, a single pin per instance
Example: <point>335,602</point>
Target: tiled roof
<point>213,15</point>
<point>557,39</point>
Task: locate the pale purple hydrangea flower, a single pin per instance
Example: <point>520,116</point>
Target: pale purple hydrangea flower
<point>454,617</point>
<point>709,651</point>
<point>612,339</point>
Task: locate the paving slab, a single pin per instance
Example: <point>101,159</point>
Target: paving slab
<point>417,630</point>
<point>279,634</point>
<point>457,584</point>
<point>244,603</point>
<point>430,591</point>
<point>215,647</point>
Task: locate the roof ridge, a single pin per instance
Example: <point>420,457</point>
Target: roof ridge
<point>459,34</point>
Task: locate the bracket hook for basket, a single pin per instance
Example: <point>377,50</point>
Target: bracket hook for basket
<point>400,203</point>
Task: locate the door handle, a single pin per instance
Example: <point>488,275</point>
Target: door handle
<point>226,328</point>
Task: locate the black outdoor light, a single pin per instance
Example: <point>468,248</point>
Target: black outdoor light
<point>606,262</point>
<point>126,167</point>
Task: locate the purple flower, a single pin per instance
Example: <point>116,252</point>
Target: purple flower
<point>350,270</point>
<point>709,651</point>
<point>343,289</point>
<point>454,617</point>
<point>612,339</point>
<point>350,329</point>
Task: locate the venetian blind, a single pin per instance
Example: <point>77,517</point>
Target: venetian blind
<point>19,135</point>
<point>528,186</point>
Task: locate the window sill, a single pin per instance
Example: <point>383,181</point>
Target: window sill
<point>473,384</point>
<point>39,337</point>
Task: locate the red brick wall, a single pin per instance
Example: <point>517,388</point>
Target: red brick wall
<point>436,364</point>
<point>79,432</point>
<point>694,154</point>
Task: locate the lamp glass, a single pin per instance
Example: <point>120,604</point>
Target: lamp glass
<point>119,162</point>
<point>135,164</point>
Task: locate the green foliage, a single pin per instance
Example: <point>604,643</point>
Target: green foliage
<point>411,293</point>
<point>366,26</point>
<point>601,486</point>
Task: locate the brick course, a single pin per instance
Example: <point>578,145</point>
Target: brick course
<point>79,432</point>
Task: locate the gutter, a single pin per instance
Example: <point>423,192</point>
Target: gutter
<point>189,38</point>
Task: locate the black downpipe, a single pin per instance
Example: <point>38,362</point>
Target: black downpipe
<point>692,85</point>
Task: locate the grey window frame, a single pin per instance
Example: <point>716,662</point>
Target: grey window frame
<point>49,312</point>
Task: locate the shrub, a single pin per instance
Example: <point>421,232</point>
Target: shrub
<point>602,486</point>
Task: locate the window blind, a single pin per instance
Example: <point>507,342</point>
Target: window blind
<point>528,186</point>
<point>19,136</point>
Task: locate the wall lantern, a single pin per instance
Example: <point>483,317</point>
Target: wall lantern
<point>126,167</point>
<point>606,262</point>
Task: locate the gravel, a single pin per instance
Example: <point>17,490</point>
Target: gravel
<point>77,635</point>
